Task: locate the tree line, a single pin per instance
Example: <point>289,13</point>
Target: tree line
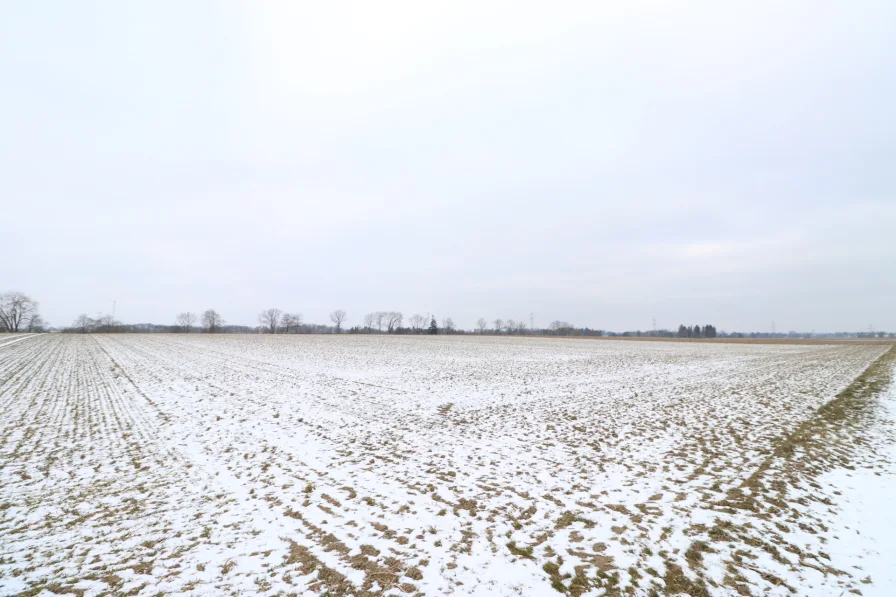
<point>19,313</point>
<point>708,331</point>
<point>277,321</point>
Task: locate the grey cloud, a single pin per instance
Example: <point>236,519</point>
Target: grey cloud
<point>601,165</point>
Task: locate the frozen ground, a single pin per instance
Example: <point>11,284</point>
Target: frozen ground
<point>209,465</point>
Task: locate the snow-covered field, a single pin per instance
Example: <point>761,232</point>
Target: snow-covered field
<point>366,465</point>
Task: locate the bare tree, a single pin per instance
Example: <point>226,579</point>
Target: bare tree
<point>482,323</point>
<point>499,325</point>
<point>269,318</point>
<point>380,317</point>
<point>417,322</point>
<point>211,321</point>
<point>561,328</point>
<point>16,311</point>
<point>106,323</point>
<point>393,321</point>
<point>448,324</point>
<point>520,326</point>
<point>291,320</point>
<point>185,321</point>
<point>369,319</point>
<point>102,324</point>
<point>337,317</point>
<point>510,326</point>
<point>83,323</point>
<point>36,323</point>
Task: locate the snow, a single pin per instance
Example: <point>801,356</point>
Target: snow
<point>5,342</point>
<point>437,465</point>
<point>864,529</point>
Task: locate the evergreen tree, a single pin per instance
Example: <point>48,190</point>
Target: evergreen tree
<point>696,331</point>
<point>433,328</point>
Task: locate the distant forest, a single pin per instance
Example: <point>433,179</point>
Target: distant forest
<point>19,313</point>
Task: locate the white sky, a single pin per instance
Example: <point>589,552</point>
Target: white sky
<point>600,163</point>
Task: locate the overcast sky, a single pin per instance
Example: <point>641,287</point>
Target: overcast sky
<point>603,163</point>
